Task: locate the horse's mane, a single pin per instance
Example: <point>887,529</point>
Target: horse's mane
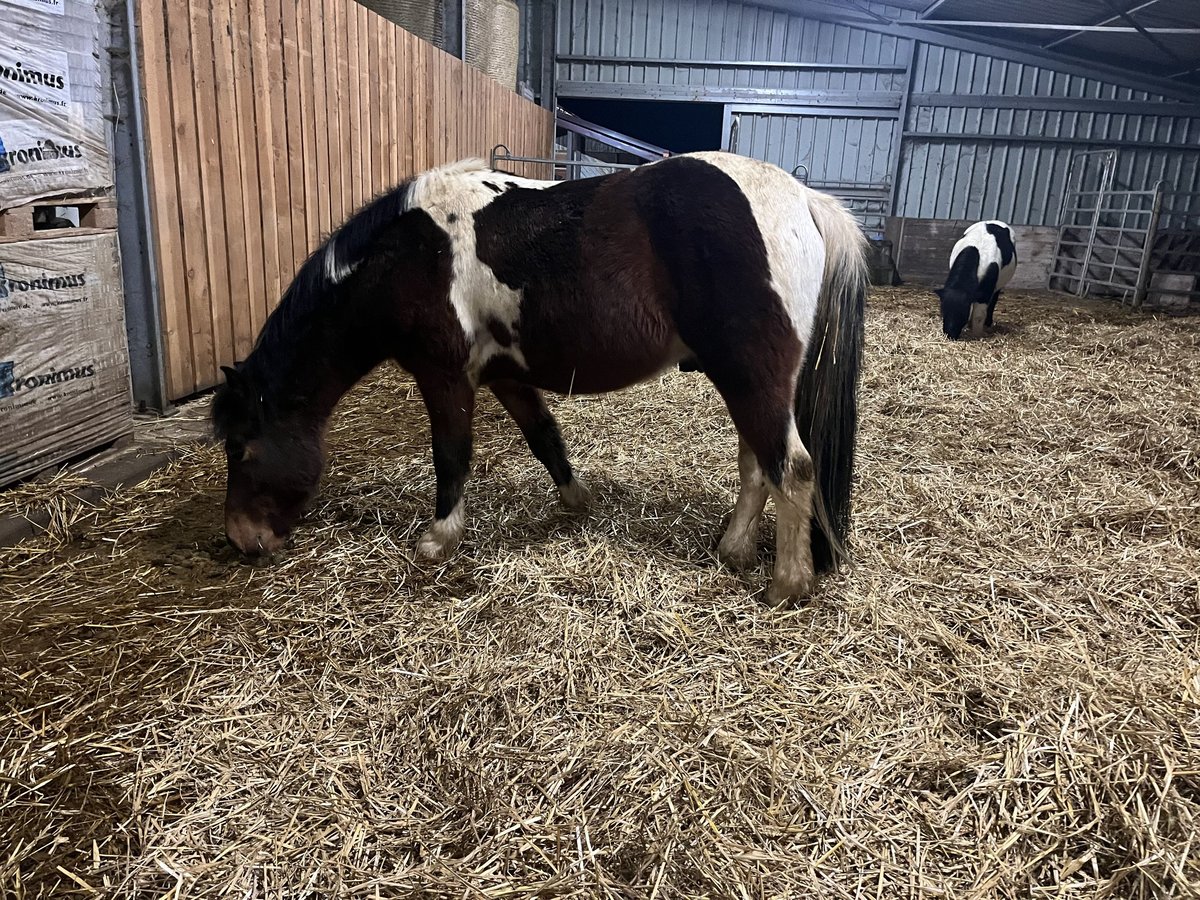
<point>316,285</point>
<point>346,248</point>
<point>335,258</point>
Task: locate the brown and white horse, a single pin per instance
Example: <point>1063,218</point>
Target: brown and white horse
<point>472,278</point>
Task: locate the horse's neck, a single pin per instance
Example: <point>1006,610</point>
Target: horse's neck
<point>324,365</point>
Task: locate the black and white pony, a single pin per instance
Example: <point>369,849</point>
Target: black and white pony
<point>981,264</point>
<point>472,278</point>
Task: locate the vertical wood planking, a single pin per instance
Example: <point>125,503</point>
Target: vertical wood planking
<point>270,59</point>
<point>187,183</point>
<point>295,140</point>
<point>211,328</point>
<point>393,108</point>
<point>383,118</point>
<point>355,163</point>
<point>263,138</point>
<point>333,129</point>
<point>405,62</point>
<point>377,120</point>
<point>370,97</point>
<point>320,160</point>
<point>308,131</point>
<point>339,31</point>
<point>162,154</point>
<point>268,123</point>
<point>237,300</point>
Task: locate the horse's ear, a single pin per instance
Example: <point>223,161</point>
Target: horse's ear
<point>233,378</point>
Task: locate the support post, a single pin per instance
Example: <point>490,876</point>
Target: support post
<point>135,231</point>
<point>454,23</point>
<point>901,127</point>
<point>1105,184</point>
<point>1143,281</point>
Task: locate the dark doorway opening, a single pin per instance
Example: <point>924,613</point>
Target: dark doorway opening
<point>680,127</point>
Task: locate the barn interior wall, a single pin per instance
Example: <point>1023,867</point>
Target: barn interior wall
<point>269,122</point>
<point>921,129</point>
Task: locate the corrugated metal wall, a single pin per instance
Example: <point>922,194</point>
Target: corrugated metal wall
<point>981,136</point>
<point>1007,157</point>
<point>689,31</point>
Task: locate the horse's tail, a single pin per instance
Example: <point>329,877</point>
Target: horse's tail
<point>827,391</point>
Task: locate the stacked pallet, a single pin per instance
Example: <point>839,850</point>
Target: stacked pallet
<point>64,363</point>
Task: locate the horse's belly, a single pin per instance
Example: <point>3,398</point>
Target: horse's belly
<point>595,368</point>
<point>600,369</point>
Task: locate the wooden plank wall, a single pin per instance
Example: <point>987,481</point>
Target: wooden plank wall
<point>268,122</point>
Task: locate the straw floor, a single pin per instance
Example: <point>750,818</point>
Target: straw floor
<point>1001,699</point>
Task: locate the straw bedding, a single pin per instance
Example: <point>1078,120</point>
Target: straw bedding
<point>1001,699</point>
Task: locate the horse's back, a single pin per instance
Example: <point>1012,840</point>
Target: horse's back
<point>782,215</point>
<point>994,242</point>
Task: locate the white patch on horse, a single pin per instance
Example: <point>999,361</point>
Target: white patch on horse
<point>443,536</point>
<point>335,271</point>
<point>795,248</point>
<point>978,316</point>
<point>451,196</point>
<point>981,239</point>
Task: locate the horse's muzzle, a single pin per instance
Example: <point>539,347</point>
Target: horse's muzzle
<point>254,539</point>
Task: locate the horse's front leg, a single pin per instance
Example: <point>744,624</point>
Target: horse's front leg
<point>451,405</point>
<point>528,409</point>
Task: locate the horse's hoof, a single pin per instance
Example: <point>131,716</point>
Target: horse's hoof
<point>738,556</point>
<point>575,496</point>
<point>441,539</point>
<point>785,596</point>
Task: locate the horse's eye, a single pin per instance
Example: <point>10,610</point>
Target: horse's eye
<point>235,451</point>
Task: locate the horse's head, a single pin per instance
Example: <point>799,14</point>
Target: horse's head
<point>956,311</point>
<point>274,465</point>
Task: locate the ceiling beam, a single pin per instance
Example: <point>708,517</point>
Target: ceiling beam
<point>1048,26</point>
<point>930,33</point>
<point>930,9</point>
<point>1062,40</point>
<point>1158,45</point>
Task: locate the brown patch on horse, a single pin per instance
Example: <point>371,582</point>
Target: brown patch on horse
<point>500,332</point>
<point>615,329</point>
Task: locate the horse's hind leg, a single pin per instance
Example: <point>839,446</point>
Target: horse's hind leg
<point>451,404</point>
<point>761,402</point>
<point>739,547</point>
<point>537,423</point>
<point>792,486</point>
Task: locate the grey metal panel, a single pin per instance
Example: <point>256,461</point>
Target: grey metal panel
<point>600,41</point>
<point>847,152</point>
<point>851,150</point>
<point>986,135</point>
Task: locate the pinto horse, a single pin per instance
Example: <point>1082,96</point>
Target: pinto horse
<point>469,278</point>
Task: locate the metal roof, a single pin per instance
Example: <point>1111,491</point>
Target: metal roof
<point>1158,38</point>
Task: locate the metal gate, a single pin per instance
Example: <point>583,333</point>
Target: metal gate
<point>847,152</point>
<point>1105,233</point>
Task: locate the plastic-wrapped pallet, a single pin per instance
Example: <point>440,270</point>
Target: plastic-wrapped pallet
<point>53,134</point>
<point>64,369</point>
